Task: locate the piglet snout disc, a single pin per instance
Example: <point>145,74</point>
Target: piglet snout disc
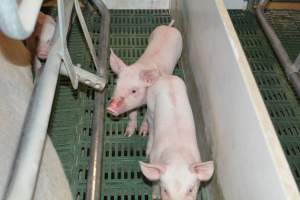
<point>114,106</point>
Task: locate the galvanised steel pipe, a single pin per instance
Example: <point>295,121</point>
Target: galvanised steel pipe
<point>94,177</point>
<point>17,19</point>
<point>290,68</point>
<point>24,174</point>
<point>103,37</point>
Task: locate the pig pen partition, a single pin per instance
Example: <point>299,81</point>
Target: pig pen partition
<point>250,163</point>
<point>234,128</point>
<point>233,125</point>
<point>71,125</point>
<point>25,170</point>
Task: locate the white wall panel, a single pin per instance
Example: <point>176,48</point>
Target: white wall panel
<point>137,4</point>
<point>250,163</point>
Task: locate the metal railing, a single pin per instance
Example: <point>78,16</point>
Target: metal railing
<point>26,166</point>
<point>94,176</point>
<point>291,68</point>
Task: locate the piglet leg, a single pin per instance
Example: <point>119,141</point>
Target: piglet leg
<point>155,191</point>
<point>149,145</point>
<point>132,124</point>
<point>144,127</point>
<point>151,136</point>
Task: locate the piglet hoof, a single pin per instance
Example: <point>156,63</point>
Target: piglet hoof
<point>144,129</point>
<point>130,129</point>
<point>155,194</point>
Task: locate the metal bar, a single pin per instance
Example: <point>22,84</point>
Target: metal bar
<point>69,69</point>
<point>87,36</point>
<point>87,78</point>
<point>23,176</point>
<point>289,67</point>
<point>94,177</point>
<point>104,36</point>
<point>64,53</point>
<point>18,20</point>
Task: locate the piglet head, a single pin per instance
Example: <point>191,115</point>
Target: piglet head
<point>178,182</point>
<point>131,85</point>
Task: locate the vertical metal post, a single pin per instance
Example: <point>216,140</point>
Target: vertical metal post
<point>94,178</point>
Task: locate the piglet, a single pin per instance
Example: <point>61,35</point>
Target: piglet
<point>162,53</point>
<point>40,40</point>
<point>175,165</point>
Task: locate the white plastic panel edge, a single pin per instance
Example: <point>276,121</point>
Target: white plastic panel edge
<point>250,161</point>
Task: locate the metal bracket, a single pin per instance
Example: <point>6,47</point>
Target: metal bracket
<point>86,77</point>
<point>86,33</point>
<point>64,53</point>
<point>76,73</point>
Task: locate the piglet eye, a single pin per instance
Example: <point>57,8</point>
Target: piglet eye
<point>165,191</point>
<point>190,190</point>
<point>133,91</point>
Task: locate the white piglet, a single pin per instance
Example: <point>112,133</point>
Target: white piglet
<point>40,40</point>
<point>162,53</point>
<point>175,164</point>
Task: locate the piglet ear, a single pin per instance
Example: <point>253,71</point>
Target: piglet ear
<point>116,63</point>
<point>151,171</point>
<point>203,170</point>
<point>149,76</point>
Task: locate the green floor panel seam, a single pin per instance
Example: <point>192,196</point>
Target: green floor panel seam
<point>280,100</point>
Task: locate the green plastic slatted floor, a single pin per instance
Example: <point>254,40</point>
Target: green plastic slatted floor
<point>287,25</point>
<point>121,176</point>
<point>71,121</point>
<point>278,96</point>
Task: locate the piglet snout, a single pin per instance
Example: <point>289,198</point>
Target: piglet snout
<point>42,55</point>
<point>115,105</point>
<point>42,52</point>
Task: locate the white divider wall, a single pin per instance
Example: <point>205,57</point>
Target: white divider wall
<point>250,163</point>
<point>137,4</point>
